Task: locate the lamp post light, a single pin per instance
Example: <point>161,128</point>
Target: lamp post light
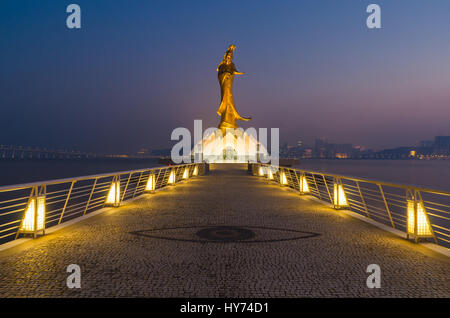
<point>283,179</point>
<point>171,180</point>
<point>303,184</point>
<point>113,197</point>
<point>33,220</point>
<point>269,173</point>
<point>339,197</point>
<point>418,224</point>
<point>151,184</point>
<point>186,173</point>
<point>261,171</point>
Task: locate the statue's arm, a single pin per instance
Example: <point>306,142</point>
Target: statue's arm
<point>238,73</point>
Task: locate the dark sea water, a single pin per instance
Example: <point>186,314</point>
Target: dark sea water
<point>426,173</point>
<point>433,174</point>
<point>24,171</point>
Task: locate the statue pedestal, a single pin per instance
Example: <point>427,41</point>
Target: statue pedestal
<point>235,147</point>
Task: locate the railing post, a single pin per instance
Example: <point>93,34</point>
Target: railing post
<point>326,186</point>
<point>362,199</point>
<point>317,187</point>
<point>65,203</point>
<point>386,205</point>
<point>157,177</point>
<point>90,196</point>
<point>137,185</point>
<point>126,186</point>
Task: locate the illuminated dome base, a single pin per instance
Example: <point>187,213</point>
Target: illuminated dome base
<point>237,147</point>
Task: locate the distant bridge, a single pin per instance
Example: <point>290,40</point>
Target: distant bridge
<point>21,152</point>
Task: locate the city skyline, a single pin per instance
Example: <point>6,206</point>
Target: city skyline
<point>322,148</point>
<point>123,82</point>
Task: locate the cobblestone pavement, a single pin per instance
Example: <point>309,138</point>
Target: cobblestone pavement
<point>148,248</point>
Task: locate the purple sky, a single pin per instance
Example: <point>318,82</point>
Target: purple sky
<point>138,69</point>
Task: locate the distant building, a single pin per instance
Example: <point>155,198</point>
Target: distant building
<point>427,143</point>
<point>307,154</point>
<point>321,148</point>
<point>442,145</point>
<point>325,150</point>
<point>395,153</point>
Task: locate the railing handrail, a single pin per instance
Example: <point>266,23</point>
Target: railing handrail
<point>33,207</point>
<point>418,211</point>
<point>80,178</point>
<point>373,181</point>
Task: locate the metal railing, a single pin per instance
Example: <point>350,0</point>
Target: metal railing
<point>66,199</point>
<point>419,212</point>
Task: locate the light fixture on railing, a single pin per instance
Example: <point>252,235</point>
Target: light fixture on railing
<point>269,173</point>
<point>339,197</point>
<point>113,197</point>
<point>171,177</point>
<point>261,171</point>
<point>283,179</point>
<point>34,217</point>
<point>186,173</point>
<point>151,183</point>
<point>303,184</point>
<point>195,173</point>
<point>418,224</point>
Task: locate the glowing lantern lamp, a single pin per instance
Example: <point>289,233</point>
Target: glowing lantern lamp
<point>418,224</point>
<point>283,179</point>
<point>340,200</point>
<point>195,173</point>
<point>186,173</point>
<point>261,171</point>
<point>269,174</point>
<point>151,183</point>
<point>171,177</point>
<point>304,188</point>
<point>113,197</point>
<point>34,218</point>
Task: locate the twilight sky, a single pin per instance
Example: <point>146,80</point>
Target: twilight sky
<point>138,69</point>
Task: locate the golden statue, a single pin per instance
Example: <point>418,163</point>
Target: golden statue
<point>225,73</point>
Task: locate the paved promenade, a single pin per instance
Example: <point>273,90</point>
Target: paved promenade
<point>167,245</point>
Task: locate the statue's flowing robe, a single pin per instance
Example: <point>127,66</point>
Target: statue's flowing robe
<point>226,110</point>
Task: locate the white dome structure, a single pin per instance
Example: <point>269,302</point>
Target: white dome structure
<point>236,147</point>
